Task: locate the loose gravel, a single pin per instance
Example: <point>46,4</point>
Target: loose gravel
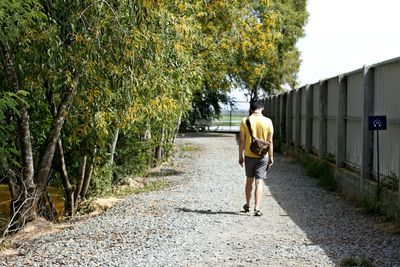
<point>197,222</point>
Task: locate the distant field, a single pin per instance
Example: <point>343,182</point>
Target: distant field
<point>225,119</point>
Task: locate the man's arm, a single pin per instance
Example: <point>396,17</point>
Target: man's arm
<point>271,149</point>
<point>242,143</point>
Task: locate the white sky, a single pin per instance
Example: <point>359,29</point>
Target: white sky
<point>344,35</point>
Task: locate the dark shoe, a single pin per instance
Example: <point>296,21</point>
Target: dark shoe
<point>246,208</point>
<point>257,213</point>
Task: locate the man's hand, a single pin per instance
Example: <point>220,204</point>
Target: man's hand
<point>270,162</point>
<point>241,161</point>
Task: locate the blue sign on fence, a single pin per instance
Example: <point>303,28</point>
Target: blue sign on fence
<point>376,123</point>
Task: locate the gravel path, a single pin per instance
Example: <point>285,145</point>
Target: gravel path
<point>198,222</point>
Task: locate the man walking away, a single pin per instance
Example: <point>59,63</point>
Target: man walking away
<point>255,166</point>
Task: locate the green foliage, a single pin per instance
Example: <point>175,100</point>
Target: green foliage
<point>132,159</point>
<point>148,187</point>
<point>8,105</point>
<point>5,244</point>
<point>350,261</point>
<point>17,18</point>
<point>370,205</point>
<point>205,105</point>
<point>320,170</point>
<point>138,68</point>
<point>226,120</point>
<point>390,181</point>
<point>101,182</point>
<point>188,147</point>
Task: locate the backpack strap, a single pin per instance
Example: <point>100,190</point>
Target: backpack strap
<point>250,130</point>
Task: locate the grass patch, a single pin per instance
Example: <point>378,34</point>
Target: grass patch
<point>122,191</point>
<point>391,227</point>
<point>226,123</point>
<point>186,150</point>
<point>163,172</point>
<point>5,244</point>
<point>370,206</point>
<point>320,170</point>
<point>97,205</point>
<point>188,147</point>
<point>225,120</point>
<point>350,261</point>
<point>4,220</point>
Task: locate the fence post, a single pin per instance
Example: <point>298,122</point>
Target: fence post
<point>309,114</point>
<point>398,189</point>
<point>269,106</point>
<point>341,122</point>
<point>323,110</point>
<point>367,136</point>
<point>277,117</point>
<point>272,109</point>
<point>297,117</point>
<point>266,106</point>
<point>283,117</point>
<point>289,114</point>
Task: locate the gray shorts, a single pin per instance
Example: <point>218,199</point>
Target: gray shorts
<point>256,167</point>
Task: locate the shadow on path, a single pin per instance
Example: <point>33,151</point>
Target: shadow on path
<point>328,221</point>
<point>210,212</point>
<point>204,135</point>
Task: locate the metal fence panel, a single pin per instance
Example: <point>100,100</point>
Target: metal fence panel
<point>266,106</point>
<point>289,115</point>
<point>386,102</point>
<point>272,110</point>
<point>315,119</point>
<point>332,111</point>
<point>277,128</point>
<point>303,116</point>
<point>294,115</point>
<point>333,97</point>
<point>353,147</point>
<point>355,85</point>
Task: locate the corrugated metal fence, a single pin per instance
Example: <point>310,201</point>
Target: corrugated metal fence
<point>330,119</point>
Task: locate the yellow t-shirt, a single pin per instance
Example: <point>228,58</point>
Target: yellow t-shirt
<point>261,127</point>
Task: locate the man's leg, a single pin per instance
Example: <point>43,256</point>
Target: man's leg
<point>258,193</point>
<point>249,188</point>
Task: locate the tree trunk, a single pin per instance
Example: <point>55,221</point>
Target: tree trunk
<point>112,151</point>
<point>159,149</point>
<point>46,161</point>
<point>178,124</point>
<point>52,207</point>
<point>88,175</point>
<point>24,128</point>
<point>46,208</point>
<point>81,178</point>
<point>147,138</point>
<point>69,205</point>
<point>23,187</point>
<point>41,177</point>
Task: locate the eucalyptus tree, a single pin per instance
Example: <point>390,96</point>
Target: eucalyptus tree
<point>249,45</point>
<point>85,82</point>
<point>53,43</point>
<point>238,47</point>
<point>21,26</point>
<point>140,83</point>
<point>268,57</point>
